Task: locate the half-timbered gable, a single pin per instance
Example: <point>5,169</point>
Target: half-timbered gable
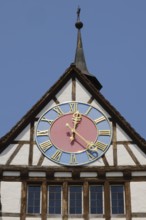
<point>73,156</point>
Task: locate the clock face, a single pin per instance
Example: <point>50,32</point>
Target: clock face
<point>73,134</point>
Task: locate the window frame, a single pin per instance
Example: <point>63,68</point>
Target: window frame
<point>77,214</point>
<point>103,200</point>
<point>53,214</point>
<point>40,203</point>
<point>124,203</point>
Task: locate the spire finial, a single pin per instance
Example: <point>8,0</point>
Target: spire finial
<point>78,13</point>
<point>78,24</point>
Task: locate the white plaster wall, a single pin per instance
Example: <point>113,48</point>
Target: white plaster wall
<point>48,106</point>
<point>141,156</point>
<point>97,218</point>
<point>109,155</point>
<point>138,196</point>
<point>123,156</point>
<point>98,106</point>
<point>24,135</point>
<point>22,156</point>
<point>56,218</point>
<point>88,174</point>
<point>9,218</point>
<point>98,162</point>
<point>74,218</point>
<point>11,196</point>
<point>82,94</point>
<point>49,163</point>
<point>121,135</point>
<point>11,173</point>
<point>33,218</point>
<point>114,174</point>
<point>36,154</point>
<point>4,156</point>
<point>65,94</point>
<point>138,173</point>
<point>122,218</point>
<point>140,218</point>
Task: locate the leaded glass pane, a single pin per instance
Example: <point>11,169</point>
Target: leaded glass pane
<point>96,199</point>
<point>117,199</point>
<point>54,199</point>
<point>33,199</point>
<point>75,200</point>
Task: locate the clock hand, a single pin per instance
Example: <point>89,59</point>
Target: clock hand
<point>76,119</point>
<point>89,144</point>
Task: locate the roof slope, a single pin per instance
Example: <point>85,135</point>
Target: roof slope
<point>72,71</point>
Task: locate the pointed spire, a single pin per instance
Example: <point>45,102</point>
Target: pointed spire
<point>80,61</point>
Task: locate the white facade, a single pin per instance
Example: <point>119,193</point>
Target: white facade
<point>128,157</point>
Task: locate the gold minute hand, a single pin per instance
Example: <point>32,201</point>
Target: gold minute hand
<point>80,136</point>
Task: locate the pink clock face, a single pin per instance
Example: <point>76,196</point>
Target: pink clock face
<point>61,133</point>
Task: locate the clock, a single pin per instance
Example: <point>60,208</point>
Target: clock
<point>73,134</point>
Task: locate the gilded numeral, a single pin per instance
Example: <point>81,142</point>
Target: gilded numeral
<point>73,106</point>
<point>104,132</point>
<point>73,159</point>
<point>47,120</point>
<point>102,118</point>
<point>88,110</point>
<point>58,110</point>
<point>46,145</point>
<point>100,145</point>
<point>42,133</point>
<point>57,155</point>
<point>90,155</point>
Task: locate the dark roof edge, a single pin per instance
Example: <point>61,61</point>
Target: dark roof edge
<point>13,133</point>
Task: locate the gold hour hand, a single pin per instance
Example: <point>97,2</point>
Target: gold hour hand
<point>76,120</point>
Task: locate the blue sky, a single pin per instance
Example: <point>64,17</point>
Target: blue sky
<point>38,41</point>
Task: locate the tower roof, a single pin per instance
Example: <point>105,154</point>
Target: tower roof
<point>79,60</point>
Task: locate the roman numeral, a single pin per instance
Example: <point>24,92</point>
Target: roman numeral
<point>104,132</point>
<point>73,159</point>
<point>88,110</point>
<point>102,118</point>
<point>58,110</point>
<point>57,156</point>
<point>42,133</point>
<point>100,145</point>
<point>90,155</point>
<point>47,120</point>
<point>73,106</point>
<point>46,145</point>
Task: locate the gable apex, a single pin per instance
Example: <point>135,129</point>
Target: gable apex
<point>91,84</point>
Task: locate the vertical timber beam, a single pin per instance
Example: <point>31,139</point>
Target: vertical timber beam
<point>107,200</point>
<point>30,160</point>
<point>73,89</point>
<point>23,200</point>
<point>44,201</point>
<point>65,201</point>
<point>86,200</point>
<point>128,200</point>
<point>114,144</point>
